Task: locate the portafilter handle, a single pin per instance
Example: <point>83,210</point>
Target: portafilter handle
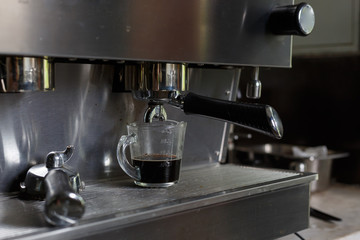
<point>161,83</point>
<point>257,117</point>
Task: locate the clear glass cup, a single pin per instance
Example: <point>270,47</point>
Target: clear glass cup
<point>156,151</point>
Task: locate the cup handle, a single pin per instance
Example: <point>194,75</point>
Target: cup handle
<point>124,163</point>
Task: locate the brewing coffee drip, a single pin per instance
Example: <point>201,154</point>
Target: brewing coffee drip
<point>59,185</point>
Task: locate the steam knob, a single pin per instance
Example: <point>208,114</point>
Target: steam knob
<point>293,20</point>
<point>59,184</point>
<point>56,159</point>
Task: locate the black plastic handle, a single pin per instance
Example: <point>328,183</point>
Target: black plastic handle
<point>63,206</point>
<point>257,117</point>
<point>292,20</point>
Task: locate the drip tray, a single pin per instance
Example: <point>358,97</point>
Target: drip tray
<point>212,201</point>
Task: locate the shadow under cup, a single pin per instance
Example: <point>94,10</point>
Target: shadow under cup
<point>156,151</point>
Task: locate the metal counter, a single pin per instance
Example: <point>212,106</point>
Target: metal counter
<point>209,202</point>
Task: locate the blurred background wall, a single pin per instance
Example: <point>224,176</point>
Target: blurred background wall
<point>318,101</point>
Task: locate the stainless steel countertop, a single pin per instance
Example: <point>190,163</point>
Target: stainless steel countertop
<point>116,202</point>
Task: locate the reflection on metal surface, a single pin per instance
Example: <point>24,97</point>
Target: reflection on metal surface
<point>23,74</point>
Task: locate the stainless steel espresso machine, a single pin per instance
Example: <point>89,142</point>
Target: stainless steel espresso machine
<point>116,62</point>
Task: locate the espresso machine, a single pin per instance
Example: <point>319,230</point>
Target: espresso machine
<point>74,73</point>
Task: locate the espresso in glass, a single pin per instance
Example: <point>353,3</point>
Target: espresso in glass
<point>157,168</point>
<point>156,151</point>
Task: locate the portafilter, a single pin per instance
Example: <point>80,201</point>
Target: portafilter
<point>160,83</point>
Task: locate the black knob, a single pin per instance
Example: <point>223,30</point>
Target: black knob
<point>292,20</point>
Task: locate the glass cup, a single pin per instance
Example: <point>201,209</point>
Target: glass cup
<point>156,151</point>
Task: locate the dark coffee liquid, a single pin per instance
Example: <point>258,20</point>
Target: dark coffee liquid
<point>158,168</point>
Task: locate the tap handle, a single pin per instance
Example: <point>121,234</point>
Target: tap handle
<point>57,159</point>
<point>258,117</point>
<point>63,205</point>
<point>292,20</point>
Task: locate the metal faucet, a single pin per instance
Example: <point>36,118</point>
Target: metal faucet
<point>59,185</point>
